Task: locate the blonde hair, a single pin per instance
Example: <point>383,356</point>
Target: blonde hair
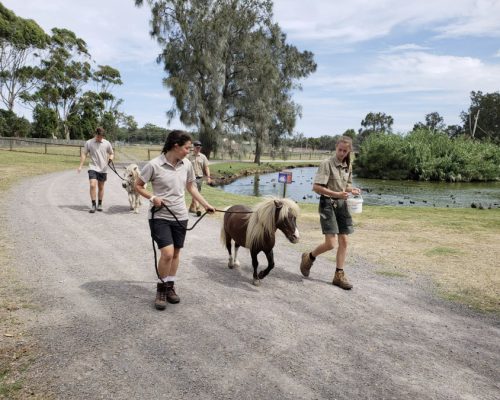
<point>347,140</point>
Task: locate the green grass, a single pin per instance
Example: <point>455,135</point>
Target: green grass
<point>391,274</point>
<point>443,251</point>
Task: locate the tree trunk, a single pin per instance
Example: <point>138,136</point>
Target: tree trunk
<point>256,160</point>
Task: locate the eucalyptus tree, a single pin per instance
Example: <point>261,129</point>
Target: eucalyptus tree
<point>375,123</point>
<point>106,78</point>
<point>218,58</point>
<point>433,122</point>
<point>64,73</point>
<point>482,120</point>
<point>20,43</point>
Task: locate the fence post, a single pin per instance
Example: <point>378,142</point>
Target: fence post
<point>45,148</point>
<point>149,155</point>
<point>10,144</point>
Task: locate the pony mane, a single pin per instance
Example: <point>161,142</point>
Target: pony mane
<point>262,223</point>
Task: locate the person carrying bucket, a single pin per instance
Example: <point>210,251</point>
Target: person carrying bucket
<point>333,181</point>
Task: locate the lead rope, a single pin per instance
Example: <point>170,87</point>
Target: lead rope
<point>113,168</point>
<point>154,210</point>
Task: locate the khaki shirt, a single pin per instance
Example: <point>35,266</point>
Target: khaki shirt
<point>99,152</point>
<point>335,175</point>
<point>169,183</point>
<point>200,162</point>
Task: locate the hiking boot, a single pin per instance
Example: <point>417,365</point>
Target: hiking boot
<point>172,297</point>
<point>99,207</point>
<point>92,209</point>
<point>161,296</point>
<point>198,213</point>
<point>305,264</point>
<point>340,280</point>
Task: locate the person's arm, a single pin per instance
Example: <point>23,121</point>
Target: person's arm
<point>83,156</point>
<point>140,187</point>
<point>207,173</point>
<point>320,189</point>
<point>193,190</point>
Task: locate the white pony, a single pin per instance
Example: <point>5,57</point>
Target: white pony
<point>130,176</point>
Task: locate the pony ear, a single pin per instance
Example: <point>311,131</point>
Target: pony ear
<point>278,204</point>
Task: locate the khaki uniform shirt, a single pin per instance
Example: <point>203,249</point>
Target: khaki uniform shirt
<point>200,162</point>
<point>99,152</point>
<point>169,183</point>
<point>335,175</point>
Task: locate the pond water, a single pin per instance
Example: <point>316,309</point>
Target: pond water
<point>375,191</point>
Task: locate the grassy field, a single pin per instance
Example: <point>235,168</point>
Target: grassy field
<point>456,248</point>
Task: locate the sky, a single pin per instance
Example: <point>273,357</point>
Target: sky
<point>405,59</point>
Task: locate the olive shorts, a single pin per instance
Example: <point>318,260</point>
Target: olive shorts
<point>334,217</point>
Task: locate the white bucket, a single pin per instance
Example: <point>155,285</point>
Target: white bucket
<point>355,205</point>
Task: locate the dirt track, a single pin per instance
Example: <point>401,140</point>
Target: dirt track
<point>290,338</point>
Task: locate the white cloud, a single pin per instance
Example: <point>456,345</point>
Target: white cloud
<point>115,30</point>
<point>361,20</point>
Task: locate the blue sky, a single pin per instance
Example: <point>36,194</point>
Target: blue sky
<point>405,59</point>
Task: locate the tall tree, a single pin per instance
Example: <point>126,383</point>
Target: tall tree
<point>64,74</point>
<point>210,55</point>
<point>433,122</point>
<point>375,123</point>
<point>20,43</point>
<point>482,120</point>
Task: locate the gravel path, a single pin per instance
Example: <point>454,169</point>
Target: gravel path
<point>290,338</point>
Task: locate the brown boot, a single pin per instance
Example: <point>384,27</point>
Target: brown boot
<point>171,295</point>
<point>161,296</point>
<point>305,264</point>
<point>340,280</point>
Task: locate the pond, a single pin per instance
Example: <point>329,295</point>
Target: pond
<point>375,191</point>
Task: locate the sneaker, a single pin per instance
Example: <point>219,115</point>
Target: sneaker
<point>99,207</point>
<point>172,297</point>
<point>161,296</point>
<point>92,209</point>
<point>305,264</point>
<point>340,280</point>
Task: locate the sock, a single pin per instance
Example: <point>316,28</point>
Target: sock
<point>171,279</point>
<point>100,202</point>
<point>339,269</point>
<point>164,279</point>
<point>93,202</point>
<point>312,257</point>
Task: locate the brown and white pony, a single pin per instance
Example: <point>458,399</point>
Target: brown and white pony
<point>256,229</point>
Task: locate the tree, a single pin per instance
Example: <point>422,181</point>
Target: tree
<point>20,40</point>
<point>375,123</point>
<point>217,76</point>
<point>433,122</point>
<point>44,122</point>
<point>13,126</point>
<point>482,120</point>
<point>63,75</point>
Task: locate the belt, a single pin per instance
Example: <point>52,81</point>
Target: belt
<point>199,177</point>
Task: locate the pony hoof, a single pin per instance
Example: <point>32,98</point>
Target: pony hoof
<point>256,282</point>
<point>230,266</point>
<point>261,275</point>
<point>236,264</point>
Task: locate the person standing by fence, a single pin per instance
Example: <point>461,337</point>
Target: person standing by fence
<point>333,181</point>
<point>200,165</point>
<point>101,153</point>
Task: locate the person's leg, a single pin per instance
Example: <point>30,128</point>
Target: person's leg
<point>174,265</point>
<point>93,191</point>
<point>340,279</point>
<point>100,194</point>
<point>308,258</point>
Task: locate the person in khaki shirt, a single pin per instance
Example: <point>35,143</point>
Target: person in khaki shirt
<point>200,165</point>
<point>170,175</point>
<point>333,181</point>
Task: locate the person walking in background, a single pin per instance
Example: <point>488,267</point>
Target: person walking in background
<point>200,165</point>
<point>101,153</point>
<point>169,173</point>
<point>333,181</point>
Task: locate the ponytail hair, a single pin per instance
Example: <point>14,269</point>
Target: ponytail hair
<point>347,140</point>
<point>176,137</point>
